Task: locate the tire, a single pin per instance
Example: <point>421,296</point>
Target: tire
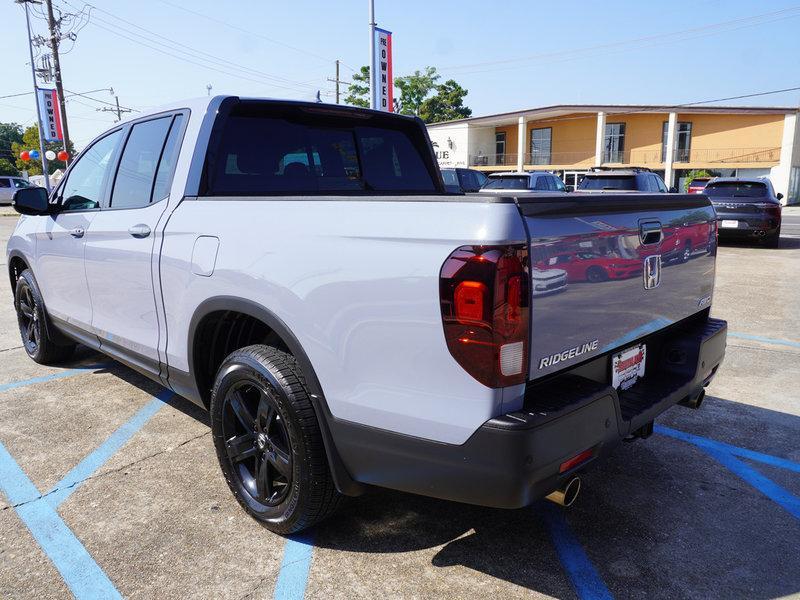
<point>596,274</point>
<point>773,240</point>
<point>32,320</point>
<point>268,440</point>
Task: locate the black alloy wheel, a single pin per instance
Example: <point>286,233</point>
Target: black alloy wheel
<point>28,318</point>
<point>257,443</point>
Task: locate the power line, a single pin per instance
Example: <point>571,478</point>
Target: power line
<point>615,47</point>
<point>247,31</point>
<point>112,104</point>
<point>192,53</point>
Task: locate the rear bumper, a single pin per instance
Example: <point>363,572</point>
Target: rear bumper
<point>513,460</point>
<point>749,225</point>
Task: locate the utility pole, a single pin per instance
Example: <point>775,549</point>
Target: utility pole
<point>373,70</point>
<point>119,110</point>
<point>337,81</point>
<point>55,40</point>
<point>36,99</point>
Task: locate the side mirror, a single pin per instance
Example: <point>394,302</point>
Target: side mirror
<point>673,190</point>
<point>779,196</point>
<point>31,201</point>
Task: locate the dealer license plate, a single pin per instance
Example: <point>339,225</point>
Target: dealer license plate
<point>627,366</point>
<point>729,223</point>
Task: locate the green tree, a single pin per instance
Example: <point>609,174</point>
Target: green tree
<point>358,92</point>
<point>7,167</point>
<point>692,175</point>
<point>446,105</point>
<point>9,133</point>
<point>414,89</point>
<point>30,141</point>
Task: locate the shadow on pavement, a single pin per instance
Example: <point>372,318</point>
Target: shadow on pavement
<point>660,519</point>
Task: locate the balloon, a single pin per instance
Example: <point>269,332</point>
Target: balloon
<point>63,155</point>
<point>34,154</point>
<point>50,155</point>
<point>25,155</point>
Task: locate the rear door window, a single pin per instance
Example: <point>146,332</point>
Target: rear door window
<point>133,186</point>
<point>288,151</point>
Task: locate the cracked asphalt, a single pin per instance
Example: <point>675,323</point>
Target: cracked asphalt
<point>663,518</point>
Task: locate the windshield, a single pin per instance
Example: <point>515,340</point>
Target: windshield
<point>20,183</point>
<point>608,182</point>
<point>507,183</point>
<point>737,189</point>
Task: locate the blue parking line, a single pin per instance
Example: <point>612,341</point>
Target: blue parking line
<point>93,461</point>
<point>293,576</point>
<point>726,455</point>
<point>586,582</point>
<point>80,572</point>
<point>766,340</point>
<point>60,375</point>
<point>763,484</point>
<point>710,444</point>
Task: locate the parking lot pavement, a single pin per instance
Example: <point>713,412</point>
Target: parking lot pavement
<point>110,486</point>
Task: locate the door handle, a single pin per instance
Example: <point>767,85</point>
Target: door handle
<point>139,231</point>
<point>77,232</point>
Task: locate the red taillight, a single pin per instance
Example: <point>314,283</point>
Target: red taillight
<point>576,460</point>
<point>486,310</point>
<point>468,300</point>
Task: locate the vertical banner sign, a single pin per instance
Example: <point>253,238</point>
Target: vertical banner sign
<point>384,94</point>
<point>51,116</point>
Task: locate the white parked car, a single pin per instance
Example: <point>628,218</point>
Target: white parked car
<point>9,185</point>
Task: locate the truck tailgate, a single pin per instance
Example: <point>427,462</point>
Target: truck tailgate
<point>629,265</point>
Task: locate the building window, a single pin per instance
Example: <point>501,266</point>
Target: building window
<point>614,143</point>
<point>500,147</point>
<point>683,142</point>
<point>541,141</point>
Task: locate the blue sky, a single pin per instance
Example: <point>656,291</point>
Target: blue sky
<point>510,55</point>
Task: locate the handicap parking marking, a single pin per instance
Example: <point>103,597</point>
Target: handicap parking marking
<point>93,461</point>
<point>53,376</point>
<point>84,577</point>
<point>80,572</point>
<point>585,580</point>
<point>726,455</point>
<point>295,567</point>
<point>764,340</point>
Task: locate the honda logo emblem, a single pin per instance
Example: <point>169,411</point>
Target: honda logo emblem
<point>652,271</point>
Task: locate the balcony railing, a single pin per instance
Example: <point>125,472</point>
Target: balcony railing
<point>583,159</point>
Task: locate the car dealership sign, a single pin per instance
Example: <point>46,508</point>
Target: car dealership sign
<point>51,116</point>
<point>383,95</point>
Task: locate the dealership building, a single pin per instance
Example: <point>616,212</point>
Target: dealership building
<point>569,139</point>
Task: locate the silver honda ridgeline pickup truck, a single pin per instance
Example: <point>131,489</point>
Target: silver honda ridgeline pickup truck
<point>299,270</point>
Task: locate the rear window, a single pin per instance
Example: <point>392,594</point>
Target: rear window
<point>450,178</point>
<point>699,183</point>
<point>737,189</point>
<point>608,182</point>
<point>264,150</point>
<point>507,183</point>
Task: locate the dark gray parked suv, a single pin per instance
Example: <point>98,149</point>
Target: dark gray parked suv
<point>746,209</point>
<point>622,180</point>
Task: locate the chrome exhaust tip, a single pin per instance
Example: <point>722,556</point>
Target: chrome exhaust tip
<point>694,401</point>
<point>567,494</point>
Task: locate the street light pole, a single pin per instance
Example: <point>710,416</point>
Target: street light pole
<point>36,95</point>
<point>373,71</point>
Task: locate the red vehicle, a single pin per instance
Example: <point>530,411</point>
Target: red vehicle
<point>588,266</point>
<point>698,184</point>
<point>681,241</point>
